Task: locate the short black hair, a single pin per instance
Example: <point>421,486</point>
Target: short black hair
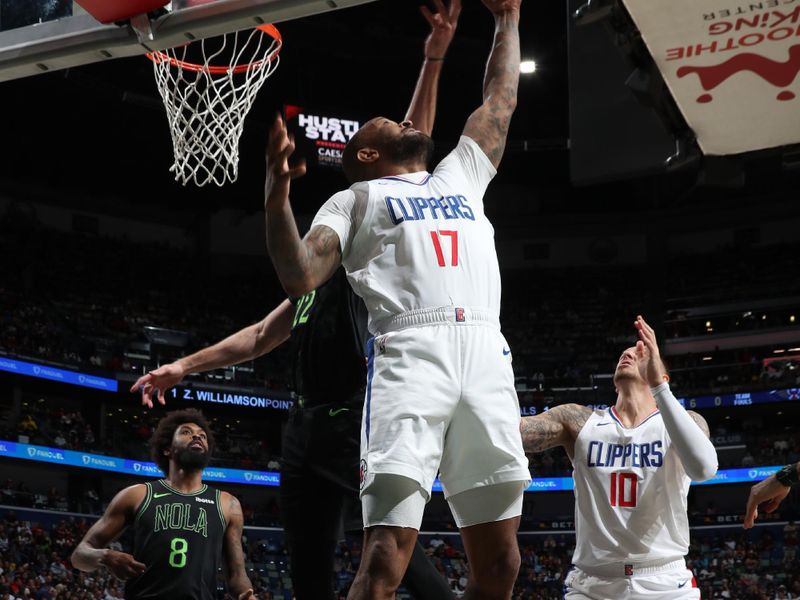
<point>165,430</point>
<point>352,167</point>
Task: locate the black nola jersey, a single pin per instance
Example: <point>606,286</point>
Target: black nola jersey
<point>179,537</point>
<point>329,334</point>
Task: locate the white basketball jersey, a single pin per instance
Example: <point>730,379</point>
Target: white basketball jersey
<point>419,240</point>
<point>630,493</point>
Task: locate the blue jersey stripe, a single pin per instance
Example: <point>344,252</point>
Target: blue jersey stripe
<point>370,373</point>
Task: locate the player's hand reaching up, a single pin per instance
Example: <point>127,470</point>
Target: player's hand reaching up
<point>443,26</point>
<point>122,565</point>
<point>498,7</point>
<point>279,173</point>
<point>159,380</point>
<point>247,595</point>
<point>649,362</point>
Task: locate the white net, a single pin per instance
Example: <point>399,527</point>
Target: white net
<point>206,103</point>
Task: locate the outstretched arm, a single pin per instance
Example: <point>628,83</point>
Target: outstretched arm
<point>238,581</point>
<point>558,426</point>
<point>770,492</point>
<point>688,430</point>
<point>91,552</point>
<point>422,110</point>
<point>302,264</point>
<point>489,124</point>
<point>246,344</point>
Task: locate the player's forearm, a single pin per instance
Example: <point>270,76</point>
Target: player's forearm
<point>87,558</point>
<point>539,433</point>
<point>237,348</point>
<point>239,583</point>
<point>422,109</point>
<point>697,453</point>
<point>501,79</point>
<point>289,254</point>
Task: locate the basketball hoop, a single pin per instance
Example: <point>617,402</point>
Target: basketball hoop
<point>206,103</point>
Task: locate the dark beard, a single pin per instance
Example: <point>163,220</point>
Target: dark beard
<point>412,148</point>
<point>189,460</point>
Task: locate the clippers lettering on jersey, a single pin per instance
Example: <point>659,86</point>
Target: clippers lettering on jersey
<point>418,208</point>
<point>179,516</point>
<point>602,454</point>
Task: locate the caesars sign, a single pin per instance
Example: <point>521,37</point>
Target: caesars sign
<point>731,66</point>
<point>321,135</point>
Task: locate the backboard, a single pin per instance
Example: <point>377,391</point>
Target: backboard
<point>47,35</point>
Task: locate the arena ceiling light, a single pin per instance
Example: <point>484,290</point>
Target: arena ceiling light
<point>527,67</point>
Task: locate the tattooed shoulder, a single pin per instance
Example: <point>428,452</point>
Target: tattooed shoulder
<point>574,416</point>
<point>323,239</point>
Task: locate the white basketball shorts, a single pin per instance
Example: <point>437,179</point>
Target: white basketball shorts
<point>441,398</point>
<point>672,581</point>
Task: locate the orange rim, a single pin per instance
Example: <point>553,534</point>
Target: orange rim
<point>268,29</point>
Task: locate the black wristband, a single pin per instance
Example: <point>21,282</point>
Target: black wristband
<point>429,58</point>
<point>788,475</point>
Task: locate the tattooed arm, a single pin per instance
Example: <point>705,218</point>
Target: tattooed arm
<point>489,124</point>
<point>238,581</point>
<point>302,264</point>
<point>558,426</point>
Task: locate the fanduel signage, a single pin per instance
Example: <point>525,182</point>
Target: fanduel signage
<point>273,479</point>
<point>20,367</point>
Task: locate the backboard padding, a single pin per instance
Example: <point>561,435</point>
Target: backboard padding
<point>80,39</point>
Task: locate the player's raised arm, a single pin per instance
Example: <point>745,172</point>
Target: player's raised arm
<point>443,22</point>
<point>558,426</point>
<point>92,553</point>
<point>238,581</point>
<point>302,264</point>
<point>489,124</point>
<point>246,344</point>
<point>688,430</point>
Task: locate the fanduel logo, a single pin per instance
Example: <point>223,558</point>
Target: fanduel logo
<point>146,468</point>
<point>248,476</point>
<point>45,454</point>
<point>100,462</point>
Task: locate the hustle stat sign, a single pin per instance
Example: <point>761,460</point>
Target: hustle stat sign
<point>321,135</point>
<point>732,67</point>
